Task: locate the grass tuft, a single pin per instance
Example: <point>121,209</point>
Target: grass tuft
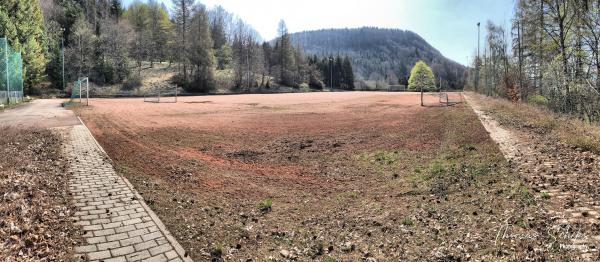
<point>265,205</point>
<point>545,195</point>
<point>217,250</point>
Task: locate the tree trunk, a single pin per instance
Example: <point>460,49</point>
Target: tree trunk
<point>541,50</point>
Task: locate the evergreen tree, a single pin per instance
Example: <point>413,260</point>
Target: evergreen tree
<point>337,72</point>
<point>285,52</point>
<point>201,53</point>
<point>224,56</point>
<point>182,14</point>
<point>348,74</point>
<point>22,23</point>
<point>116,9</point>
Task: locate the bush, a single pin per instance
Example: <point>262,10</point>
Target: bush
<point>132,82</point>
<point>303,86</point>
<point>538,100</point>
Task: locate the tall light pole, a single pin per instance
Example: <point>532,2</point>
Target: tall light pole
<point>62,47</point>
<point>246,43</point>
<point>331,70</point>
<point>477,60</point>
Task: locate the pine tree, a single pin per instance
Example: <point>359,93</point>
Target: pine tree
<point>182,14</point>
<point>23,25</point>
<point>224,56</point>
<point>338,76</point>
<point>116,9</point>
<point>348,74</point>
<point>287,61</point>
<point>201,53</point>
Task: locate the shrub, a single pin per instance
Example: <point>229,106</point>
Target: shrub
<point>132,82</point>
<point>538,100</point>
<point>303,86</point>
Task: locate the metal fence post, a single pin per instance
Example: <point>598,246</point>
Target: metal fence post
<point>87,91</point>
<point>6,63</point>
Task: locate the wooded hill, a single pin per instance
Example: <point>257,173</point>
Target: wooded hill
<point>381,56</point>
<point>110,43</point>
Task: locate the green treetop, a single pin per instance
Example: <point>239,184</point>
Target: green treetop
<point>421,76</point>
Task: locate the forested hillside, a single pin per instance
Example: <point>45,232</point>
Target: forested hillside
<point>111,44</point>
<point>381,56</point>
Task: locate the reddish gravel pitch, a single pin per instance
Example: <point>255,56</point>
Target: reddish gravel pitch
<point>352,175</point>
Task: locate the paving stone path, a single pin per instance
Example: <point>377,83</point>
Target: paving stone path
<point>569,181</point>
<point>117,224</point>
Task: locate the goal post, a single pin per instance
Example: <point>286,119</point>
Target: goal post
<point>81,90</point>
<point>162,95</point>
<point>439,97</point>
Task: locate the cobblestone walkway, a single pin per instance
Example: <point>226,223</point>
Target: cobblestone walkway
<point>117,225</point>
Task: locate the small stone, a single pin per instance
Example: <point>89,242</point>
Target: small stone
<point>348,247</point>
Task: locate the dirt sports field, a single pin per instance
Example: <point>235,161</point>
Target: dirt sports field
<point>346,176</point>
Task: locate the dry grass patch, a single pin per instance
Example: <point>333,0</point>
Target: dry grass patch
<point>569,130</point>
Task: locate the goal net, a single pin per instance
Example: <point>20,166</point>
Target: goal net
<point>441,97</point>
<point>161,94</point>
<point>81,91</point>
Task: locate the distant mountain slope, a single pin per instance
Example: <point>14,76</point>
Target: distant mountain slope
<point>380,54</point>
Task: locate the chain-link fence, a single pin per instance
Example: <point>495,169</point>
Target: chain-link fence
<point>11,74</point>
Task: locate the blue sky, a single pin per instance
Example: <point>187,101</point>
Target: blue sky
<point>448,25</point>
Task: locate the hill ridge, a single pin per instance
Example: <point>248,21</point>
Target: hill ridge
<point>383,55</point>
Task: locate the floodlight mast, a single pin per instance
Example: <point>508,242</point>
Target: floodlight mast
<point>477,60</point>
<point>62,47</point>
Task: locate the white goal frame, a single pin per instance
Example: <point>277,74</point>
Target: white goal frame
<point>87,89</point>
<point>155,97</point>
